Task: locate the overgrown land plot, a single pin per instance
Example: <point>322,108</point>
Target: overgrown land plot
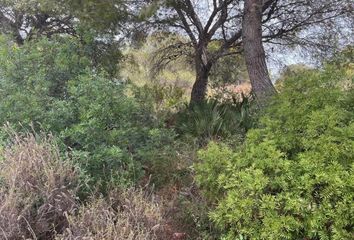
<point>176,120</point>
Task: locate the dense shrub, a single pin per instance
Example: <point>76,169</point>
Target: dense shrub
<point>118,135</point>
<point>212,119</point>
<point>293,177</point>
<point>111,131</point>
<point>37,189</point>
<point>34,81</point>
<point>106,130</point>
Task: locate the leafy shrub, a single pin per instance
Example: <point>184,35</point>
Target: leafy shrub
<point>106,131</point>
<point>293,177</point>
<point>117,134</point>
<point>215,161</point>
<point>34,81</point>
<point>51,85</point>
<point>37,188</point>
<point>212,119</point>
<point>127,215</point>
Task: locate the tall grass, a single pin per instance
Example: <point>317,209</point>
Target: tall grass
<point>38,199</point>
<point>126,215</point>
<point>37,188</point>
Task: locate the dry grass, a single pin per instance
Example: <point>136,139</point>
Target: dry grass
<point>38,201</point>
<point>37,189</point>
<point>127,215</point>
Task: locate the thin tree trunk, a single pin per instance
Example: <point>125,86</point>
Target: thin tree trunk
<point>202,66</point>
<point>19,40</point>
<point>255,57</point>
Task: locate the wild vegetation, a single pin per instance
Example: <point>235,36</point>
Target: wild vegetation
<point>292,177</point>
<point>161,120</point>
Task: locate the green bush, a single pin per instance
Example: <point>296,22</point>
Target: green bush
<point>105,121</point>
<point>293,177</point>
<point>212,119</point>
<point>34,81</point>
<point>120,134</point>
<point>51,85</point>
<point>215,161</point>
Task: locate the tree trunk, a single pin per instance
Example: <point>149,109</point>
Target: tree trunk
<point>255,57</point>
<point>201,84</point>
<point>202,67</point>
<point>19,40</point>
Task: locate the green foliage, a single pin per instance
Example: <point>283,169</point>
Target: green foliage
<point>159,98</point>
<point>51,85</point>
<point>110,130</point>
<point>212,119</point>
<point>105,119</point>
<point>102,49</point>
<point>104,16</point>
<point>34,81</point>
<point>229,70</point>
<point>165,158</point>
<point>215,161</point>
<point>290,71</point>
<point>161,59</point>
<point>293,177</point>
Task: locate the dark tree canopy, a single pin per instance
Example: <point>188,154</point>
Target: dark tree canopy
<point>27,19</point>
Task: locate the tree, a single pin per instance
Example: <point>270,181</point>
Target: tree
<point>27,19</point>
<point>93,23</point>
<point>284,22</point>
<point>24,19</point>
<point>186,15</point>
<point>254,51</point>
